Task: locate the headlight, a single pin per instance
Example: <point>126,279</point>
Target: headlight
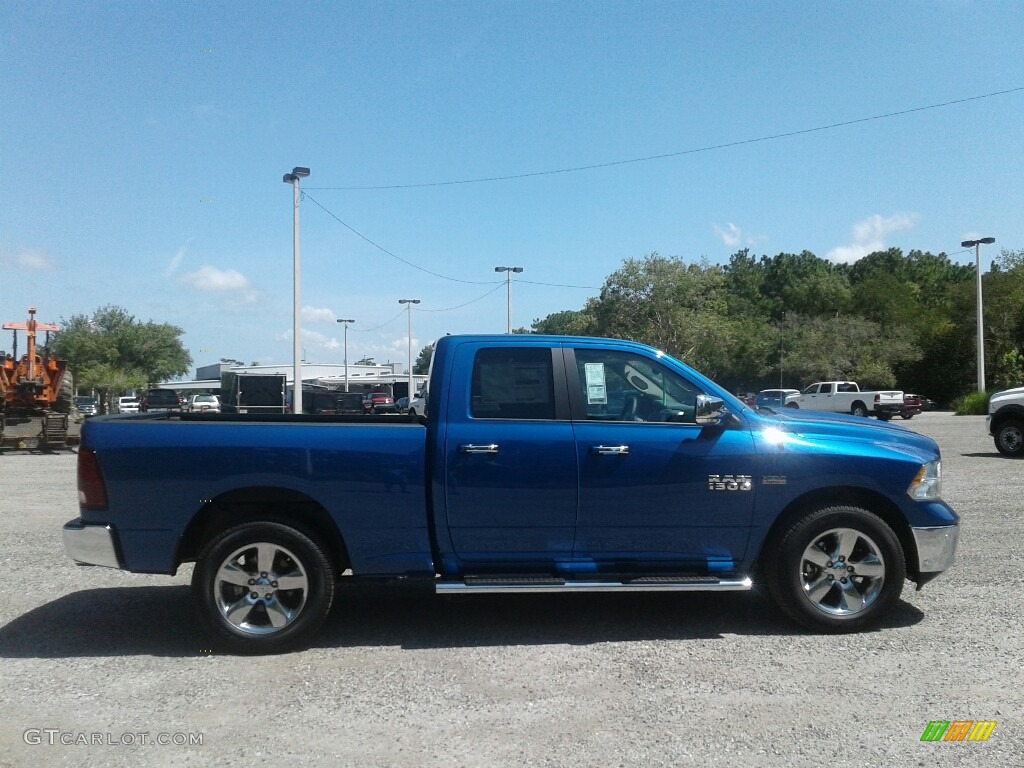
<point>928,483</point>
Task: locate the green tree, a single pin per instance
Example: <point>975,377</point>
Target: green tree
<point>566,323</point>
<point>111,351</point>
<point>422,364</point>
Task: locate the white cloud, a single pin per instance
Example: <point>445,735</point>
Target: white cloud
<point>731,236</point>
<point>734,237</point>
<point>318,315</point>
<point>177,258</point>
<point>312,339</point>
<point>870,235</point>
<point>229,282</point>
<point>29,258</point>
<point>402,345</point>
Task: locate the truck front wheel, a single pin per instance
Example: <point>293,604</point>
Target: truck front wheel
<point>838,569</point>
<point>1009,437</point>
<point>263,587</point>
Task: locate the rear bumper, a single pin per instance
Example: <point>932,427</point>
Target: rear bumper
<point>91,544</point>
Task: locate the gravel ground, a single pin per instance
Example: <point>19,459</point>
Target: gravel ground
<point>409,679</point>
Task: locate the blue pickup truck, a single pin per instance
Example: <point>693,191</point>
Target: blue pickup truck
<point>545,464</point>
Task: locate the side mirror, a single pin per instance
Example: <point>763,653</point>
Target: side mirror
<point>709,411</point>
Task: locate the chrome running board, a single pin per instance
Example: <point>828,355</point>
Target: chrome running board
<point>492,585</point>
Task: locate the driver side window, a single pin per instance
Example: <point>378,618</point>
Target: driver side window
<point>621,386</point>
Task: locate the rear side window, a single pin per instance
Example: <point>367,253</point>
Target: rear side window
<point>512,383</point>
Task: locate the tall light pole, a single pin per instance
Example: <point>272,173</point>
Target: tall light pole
<point>293,179</point>
<point>981,336</point>
<point>508,286</point>
<point>346,322</point>
<point>409,303</point>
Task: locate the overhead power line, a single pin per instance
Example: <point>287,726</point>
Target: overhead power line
<point>376,327</point>
<point>394,256</point>
<point>460,306</point>
<point>497,283</point>
<point>680,153</point>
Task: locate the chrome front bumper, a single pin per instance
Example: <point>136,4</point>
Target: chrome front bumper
<point>91,544</point>
<point>936,547</point>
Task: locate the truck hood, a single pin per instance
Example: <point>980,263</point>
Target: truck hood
<point>846,428</point>
<point>1017,393</point>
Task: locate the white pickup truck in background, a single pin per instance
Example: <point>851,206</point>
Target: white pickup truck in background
<point>847,397</point>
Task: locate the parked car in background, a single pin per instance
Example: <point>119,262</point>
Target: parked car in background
<point>87,406</point>
<point>925,403</point>
<point>911,406</point>
<point>203,404</point>
<point>160,401</point>
<point>776,398</point>
<point>418,404</point>
<point>1005,421</point>
<point>128,404</point>
<point>848,397</point>
<point>378,402</point>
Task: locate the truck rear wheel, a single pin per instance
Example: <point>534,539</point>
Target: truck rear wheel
<point>838,569</point>
<point>859,409</point>
<point>263,587</point>
<point>1009,437</point>
<point>884,415</point>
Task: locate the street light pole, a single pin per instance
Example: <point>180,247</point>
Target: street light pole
<point>409,303</point>
<point>508,287</point>
<point>346,322</point>
<point>293,179</point>
<point>981,336</point>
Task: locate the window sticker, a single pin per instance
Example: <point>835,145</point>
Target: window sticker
<point>597,389</point>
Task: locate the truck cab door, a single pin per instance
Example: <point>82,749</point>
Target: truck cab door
<point>510,478</point>
<point>657,490</point>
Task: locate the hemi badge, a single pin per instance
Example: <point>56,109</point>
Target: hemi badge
<point>773,480</point>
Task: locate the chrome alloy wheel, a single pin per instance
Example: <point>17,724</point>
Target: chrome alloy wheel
<point>842,572</point>
<point>261,588</point>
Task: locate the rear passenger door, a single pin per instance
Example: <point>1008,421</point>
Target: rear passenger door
<point>510,493</point>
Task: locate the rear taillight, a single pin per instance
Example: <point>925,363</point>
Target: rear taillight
<point>878,398</point>
<point>92,493</point>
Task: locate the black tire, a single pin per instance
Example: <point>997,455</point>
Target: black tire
<point>859,409</point>
<point>884,415</point>
<point>1009,437</point>
<point>906,416</point>
<point>241,622</point>
<point>412,415</point>
<point>806,582</point>
<point>65,396</point>
<point>792,405</point>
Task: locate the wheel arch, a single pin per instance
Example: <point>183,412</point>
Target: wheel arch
<point>1013,412</point>
<point>864,498</point>
<point>270,504</point>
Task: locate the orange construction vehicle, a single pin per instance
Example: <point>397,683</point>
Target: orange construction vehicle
<point>33,392</point>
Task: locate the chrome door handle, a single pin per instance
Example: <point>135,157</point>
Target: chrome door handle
<point>610,450</point>
<point>479,448</point>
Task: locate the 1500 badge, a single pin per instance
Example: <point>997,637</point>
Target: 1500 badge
<point>730,482</point>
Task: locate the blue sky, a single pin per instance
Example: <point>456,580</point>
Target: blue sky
<point>142,148</point>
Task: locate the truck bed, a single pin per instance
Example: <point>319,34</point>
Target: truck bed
<point>368,473</point>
